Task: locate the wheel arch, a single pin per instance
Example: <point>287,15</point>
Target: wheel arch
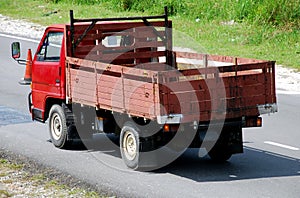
<point>49,103</point>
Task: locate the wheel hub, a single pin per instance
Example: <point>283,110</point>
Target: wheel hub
<point>129,145</point>
<point>56,127</point>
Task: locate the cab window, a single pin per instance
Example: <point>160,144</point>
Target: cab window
<point>50,51</point>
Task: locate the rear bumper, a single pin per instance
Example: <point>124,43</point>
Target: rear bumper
<point>177,118</point>
<point>170,119</point>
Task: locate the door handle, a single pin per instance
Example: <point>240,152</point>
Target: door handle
<point>59,71</point>
<point>57,81</point>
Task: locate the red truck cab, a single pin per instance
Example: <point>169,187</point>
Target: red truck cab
<point>48,68</point>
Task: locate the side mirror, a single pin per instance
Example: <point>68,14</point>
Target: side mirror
<point>15,50</point>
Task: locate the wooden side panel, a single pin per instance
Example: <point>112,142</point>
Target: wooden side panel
<point>125,92</point>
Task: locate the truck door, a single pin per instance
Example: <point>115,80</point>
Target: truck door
<point>47,71</point>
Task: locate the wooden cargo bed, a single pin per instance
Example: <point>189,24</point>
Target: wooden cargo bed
<point>151,92</point>
<point>129,67</point>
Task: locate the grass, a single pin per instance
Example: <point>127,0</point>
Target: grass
<point>267,29</point>
<point>4,193</point>
<point>13,174</point>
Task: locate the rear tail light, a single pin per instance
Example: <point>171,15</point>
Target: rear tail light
<point>253,122</point>
<point>166,128</point>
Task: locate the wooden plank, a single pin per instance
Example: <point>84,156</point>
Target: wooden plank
<point>253,100</point>
<point>107,81</point>
<point>111,90</point>
<point>141,110</point>
<point>253,90</point>
<point>141,90</point>
<point>82,91</point>
<point>82,74</point>
<point>141,98</point>
<point>85,87</point>
<point>86,49</point>
<point>228,84</point>
<point>131,103</point>
<point>110,104</point>
<point>191,72</point>
<point>77,79</point>
<point>189,96</point>
<point>91,64</point>
<point>244,67</point>
<point>219,58</point>
<point>91,47</point>
<point>185,86</point>
<point>115,96</point>
<point>81,96</point>
<point>126,55</point>
<point>141,95</point>
<point>113,68</point>
<point>79,29</point>
<point>92,35</point>
<point>136,83</point>
<point>244,80</point>
<point>116,68</point>
<point>186,107</point>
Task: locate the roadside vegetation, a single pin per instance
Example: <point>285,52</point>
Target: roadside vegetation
<point>247,28</point>
<point>267,29</point>
<point>17,181</point>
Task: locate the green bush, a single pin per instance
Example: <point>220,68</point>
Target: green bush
<point>78,2</point>
<point>274,12</point>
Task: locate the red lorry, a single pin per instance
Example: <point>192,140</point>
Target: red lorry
<point>121,76</point>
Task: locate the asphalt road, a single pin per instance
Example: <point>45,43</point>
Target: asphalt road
<point>270,166</point>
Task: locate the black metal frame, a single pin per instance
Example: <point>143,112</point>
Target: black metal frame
<point>143,18</point>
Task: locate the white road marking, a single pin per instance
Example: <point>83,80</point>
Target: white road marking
<point>19,38</point>
<point>282,145</point>
<point>287,92</point>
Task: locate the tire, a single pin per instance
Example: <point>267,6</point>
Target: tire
<point>219,154</point>
<point>58,127</point>
<point>129,146</point>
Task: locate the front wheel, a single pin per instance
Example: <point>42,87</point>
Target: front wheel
<point>58,127</point>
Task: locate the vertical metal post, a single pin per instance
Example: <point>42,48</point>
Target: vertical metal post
<point>205,64</point>
<point>236,65</point>
<point>273,84</point>
<point>168,32</point>
<point>72,33</point>
<point>238,91</point>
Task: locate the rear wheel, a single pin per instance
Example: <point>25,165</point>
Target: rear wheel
<point>219,153</point>
<point>129,146</point>
<point>58,127</point>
